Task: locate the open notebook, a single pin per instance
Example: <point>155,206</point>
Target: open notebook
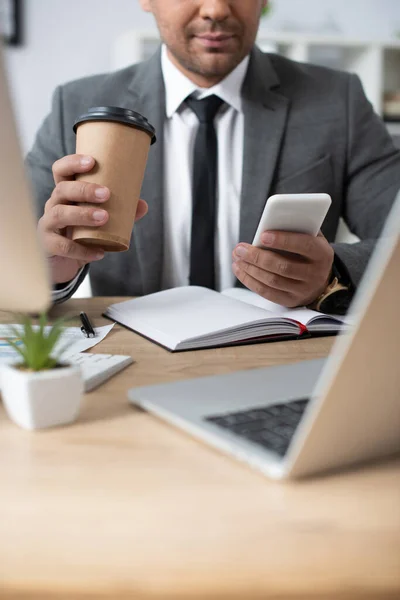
<point>188,318</point>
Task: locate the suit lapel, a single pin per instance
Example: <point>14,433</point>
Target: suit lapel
<point>148,87</point>
<point>265,115</point>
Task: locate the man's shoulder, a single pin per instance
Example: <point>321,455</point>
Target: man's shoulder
<point>102,83</point>
<point>123,88</point>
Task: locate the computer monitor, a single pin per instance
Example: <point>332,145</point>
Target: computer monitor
<point>24,278</point>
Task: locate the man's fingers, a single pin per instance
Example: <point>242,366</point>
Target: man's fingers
<point>63,215</point>
<point>67,167</point>
<point>58,245</point>
<point>277,296</point>
<point>67,192</point>
<point>142,210</point>
<point>290,267</point>
<point>271,280</point>
<point>297,243</point>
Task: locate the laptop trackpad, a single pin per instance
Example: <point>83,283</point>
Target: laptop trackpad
<point>196,398</point>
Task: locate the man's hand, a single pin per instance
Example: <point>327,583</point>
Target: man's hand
<point>294,279</point>
<point>61,214</point>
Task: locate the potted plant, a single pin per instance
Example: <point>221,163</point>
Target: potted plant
<point>40,390</point>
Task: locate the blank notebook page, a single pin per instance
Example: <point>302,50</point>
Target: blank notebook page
<point>185,313</point>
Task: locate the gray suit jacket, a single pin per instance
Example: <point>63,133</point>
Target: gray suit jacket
<point>307,129</point>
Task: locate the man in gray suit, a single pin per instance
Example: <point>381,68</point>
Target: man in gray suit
<point>285,128</point>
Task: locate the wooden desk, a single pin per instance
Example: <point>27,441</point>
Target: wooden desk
<point>120,505</point>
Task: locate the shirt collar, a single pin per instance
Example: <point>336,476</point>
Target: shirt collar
<point>178,87</point>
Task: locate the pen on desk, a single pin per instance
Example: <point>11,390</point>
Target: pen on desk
<point>87,328</point>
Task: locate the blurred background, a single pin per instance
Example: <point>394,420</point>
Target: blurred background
<point>60,40</point>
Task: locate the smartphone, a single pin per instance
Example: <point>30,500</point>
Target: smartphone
<point>300,213</point>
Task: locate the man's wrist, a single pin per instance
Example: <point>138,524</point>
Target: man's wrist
<point>63,291</point>
<point>337,296</point>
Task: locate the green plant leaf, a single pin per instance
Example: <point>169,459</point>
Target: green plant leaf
<point>18,348</point>
<point>35,344</point>
<point>266,10</point>
<point>54,335</point>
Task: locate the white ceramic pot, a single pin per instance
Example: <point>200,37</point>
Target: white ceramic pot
<point>35,400</point>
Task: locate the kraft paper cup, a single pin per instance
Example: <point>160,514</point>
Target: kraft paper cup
<point>119,140</point>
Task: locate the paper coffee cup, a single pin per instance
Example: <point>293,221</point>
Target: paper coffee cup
<point>119,140</point>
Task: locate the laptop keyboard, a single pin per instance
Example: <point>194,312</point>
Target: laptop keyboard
<point>271,426</point>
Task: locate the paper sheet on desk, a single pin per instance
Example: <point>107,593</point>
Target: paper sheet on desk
<point>80,343</point>
<point>72,340</point>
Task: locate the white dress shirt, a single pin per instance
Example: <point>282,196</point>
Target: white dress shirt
<point>180,130</point>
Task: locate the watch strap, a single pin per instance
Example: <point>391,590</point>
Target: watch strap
<point>337,296</point>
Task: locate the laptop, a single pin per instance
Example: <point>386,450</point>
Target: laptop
<point>25,284</point>
<point>313,416</point>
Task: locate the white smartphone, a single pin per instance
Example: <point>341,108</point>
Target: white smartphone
<point>300,213</point>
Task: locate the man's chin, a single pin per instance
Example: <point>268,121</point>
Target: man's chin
<point>216,64</point>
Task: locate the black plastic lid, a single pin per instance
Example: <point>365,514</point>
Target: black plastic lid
<point>119,115</point>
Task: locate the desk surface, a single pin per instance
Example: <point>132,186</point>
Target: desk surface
<point>121,505</point>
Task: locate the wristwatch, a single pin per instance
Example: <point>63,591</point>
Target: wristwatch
<point>338,294</point>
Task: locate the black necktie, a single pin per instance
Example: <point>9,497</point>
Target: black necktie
<point>202,271</point>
